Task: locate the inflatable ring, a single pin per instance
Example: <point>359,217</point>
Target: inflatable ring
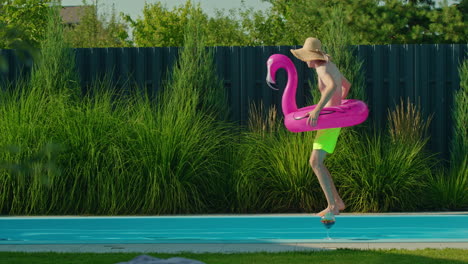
<point>350,113</point>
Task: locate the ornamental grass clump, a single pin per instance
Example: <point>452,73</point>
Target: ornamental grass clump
<point>82,172</point>
<point>115,154</point>
<point>247,163</point>
<point>261,122</point>
<point>386,172</point>
<point>274,174</point>
<point>27,128</point>
<point>181,152</point>
<point>288,183</point>
<point>162,157</point>
<point>54,71</point>
<point>406,125</point>
<point>336,38</point>
<point>448,189</point>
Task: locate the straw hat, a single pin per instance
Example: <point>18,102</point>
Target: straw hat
<point>312,50</point>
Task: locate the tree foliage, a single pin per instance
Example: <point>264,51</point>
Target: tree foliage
<point>22,27</point>
<point>289,22</point>
<point>160,27</point>
<point>286,22</point>
<point>22,23</point>
<point>376,22</point>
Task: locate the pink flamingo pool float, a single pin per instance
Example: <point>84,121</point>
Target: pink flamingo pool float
<point>351,112</point>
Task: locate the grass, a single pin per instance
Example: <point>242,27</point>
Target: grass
<point>336,38</point>
<point>111,153</point>
<point>448,188</point>
<point>168,156</point>
<point>376,171</point>
<point>282,175</point>
<point>273,172</point>
<point>406,124</point>
<point>385,172</point>
<point>340,256</point>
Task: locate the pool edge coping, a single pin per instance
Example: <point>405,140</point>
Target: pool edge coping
<point>234,215</point>
<point>222,248</point>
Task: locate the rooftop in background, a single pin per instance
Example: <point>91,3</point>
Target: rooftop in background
<point>72,15</point>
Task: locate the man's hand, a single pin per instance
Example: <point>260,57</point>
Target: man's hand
<point>313,116</point>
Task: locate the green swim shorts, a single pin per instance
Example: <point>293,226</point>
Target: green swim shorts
<point>326,139</point>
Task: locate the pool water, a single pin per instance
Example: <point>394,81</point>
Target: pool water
<point>232,229</point>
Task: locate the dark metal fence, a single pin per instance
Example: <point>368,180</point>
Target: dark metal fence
<point>427,74</point>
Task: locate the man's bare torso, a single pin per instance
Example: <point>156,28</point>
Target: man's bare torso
<point>333,71</point>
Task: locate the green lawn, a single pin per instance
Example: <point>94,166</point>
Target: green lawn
<point>342,256</point>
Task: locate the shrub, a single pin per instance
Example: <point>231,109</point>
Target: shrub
<point>119,154</point>
<point>274,174</point>
<point>386,173</point>
<point>448,189</point>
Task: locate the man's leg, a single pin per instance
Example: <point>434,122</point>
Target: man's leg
<point>324,143</point>
<point>325,180</point>
<point>339,202</point>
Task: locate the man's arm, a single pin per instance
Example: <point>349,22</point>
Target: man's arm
<point>345,85</point>
<point>327,92</point>
<point>326,95</point>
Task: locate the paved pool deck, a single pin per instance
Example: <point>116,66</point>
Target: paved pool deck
<point>220,248</point>
<point>235,247</point>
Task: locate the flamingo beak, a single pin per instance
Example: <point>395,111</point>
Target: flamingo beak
<point>272,86</point>
<point>270,82</point>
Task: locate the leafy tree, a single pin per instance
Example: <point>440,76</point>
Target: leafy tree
<point>160,27</point>
<point>375,22</point>
<point>22,27</point>
<point>22,23</point>
<point>463,8</point>
<point>263,29</point>
<point>448,25</point>
<point>95,30</point>
<point>420,2</point>
<point>224,30</point>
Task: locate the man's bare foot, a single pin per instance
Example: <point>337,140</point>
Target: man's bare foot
<point>340,204</point>
<point>335,211</point>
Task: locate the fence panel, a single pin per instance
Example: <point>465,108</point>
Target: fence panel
<point>426,74</point>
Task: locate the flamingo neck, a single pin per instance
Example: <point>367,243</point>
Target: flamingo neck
<point>288,102</point>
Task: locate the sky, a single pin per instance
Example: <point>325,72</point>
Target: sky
<point>134,8</point>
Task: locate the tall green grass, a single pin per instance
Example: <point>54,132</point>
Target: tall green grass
<point>448,189</point>
<point>63,152</point>
<point>459,143</point>
<point>54,70</point>
<point>274,174</point>
<point>336,38</point>
<point>188,137</point>
<point>27,125</point>
<point>406,124</point>
<point>376,171</point>
<point>118,154</point>
<point>387,171</point>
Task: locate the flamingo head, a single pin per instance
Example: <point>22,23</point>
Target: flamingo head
<point>280,61</point>
<point>274,63</point>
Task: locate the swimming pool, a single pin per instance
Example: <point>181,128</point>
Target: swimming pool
<point>242,229</point>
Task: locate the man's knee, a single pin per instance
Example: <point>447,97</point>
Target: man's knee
<point>316,161</point>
